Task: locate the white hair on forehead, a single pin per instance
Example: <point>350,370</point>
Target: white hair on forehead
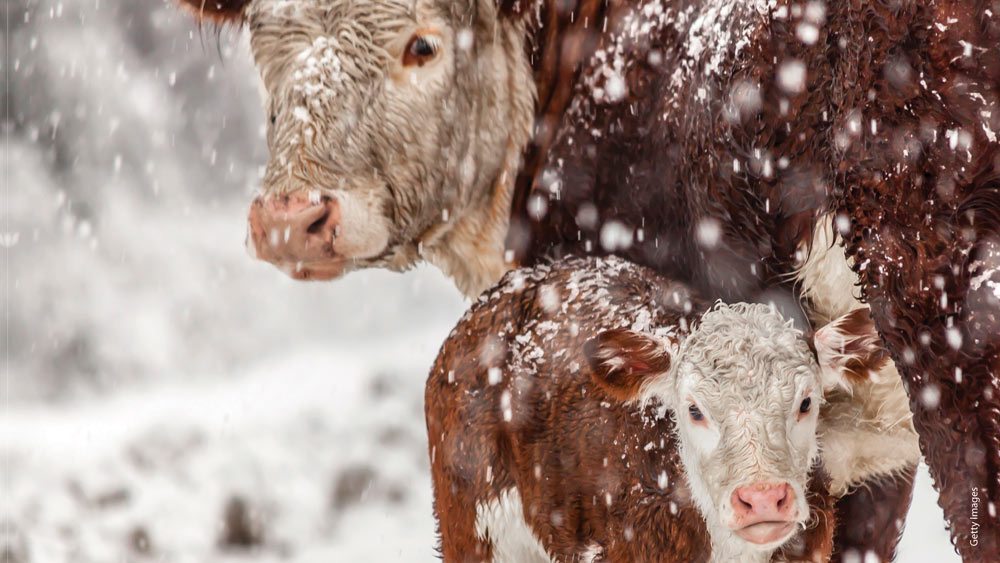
<point>752,316</point>
<point>736,332</point>
<point>741,340</point>
<point>281,28</point>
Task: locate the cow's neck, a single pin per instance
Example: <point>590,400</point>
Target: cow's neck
<point>562,38</point>
<point>470,248</point>
<point>549,45</point>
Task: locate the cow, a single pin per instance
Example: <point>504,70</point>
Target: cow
<point>591,410</point>
<point>842,153</point>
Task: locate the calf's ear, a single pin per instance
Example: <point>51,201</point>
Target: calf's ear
<point>621,361</point>
<point>849,350</point>
<point>220,11</point>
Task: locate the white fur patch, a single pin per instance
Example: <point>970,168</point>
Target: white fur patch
<point>867,433</point>
<point>502,521</point>
<point>591,554</point>
<point>363,232</point>
<point>826,276</point>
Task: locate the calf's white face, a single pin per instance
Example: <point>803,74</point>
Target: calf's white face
<point>745,394</point>
<point>745,390</point>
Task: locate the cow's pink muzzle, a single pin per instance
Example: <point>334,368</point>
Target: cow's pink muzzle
<point>296,233</point>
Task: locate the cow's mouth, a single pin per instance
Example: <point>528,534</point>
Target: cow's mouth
<point>314,236</point>
<point>766,533</point>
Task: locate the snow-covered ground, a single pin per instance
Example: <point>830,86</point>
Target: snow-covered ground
<point>325,446</point>
<point>153,375</point>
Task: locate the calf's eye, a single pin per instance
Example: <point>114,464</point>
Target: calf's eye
<point>421,49</point>
<point>695,413</point>
<point>805,406</point>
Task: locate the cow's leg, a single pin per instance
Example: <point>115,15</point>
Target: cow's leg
<point>478,507</point>
<point>919,194</point>
<point>461,482</point>
<point>919,254</point>
<point>870,519</point>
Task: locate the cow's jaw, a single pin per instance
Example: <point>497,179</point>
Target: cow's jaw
<point>469,244</point>
<point>470,249</point>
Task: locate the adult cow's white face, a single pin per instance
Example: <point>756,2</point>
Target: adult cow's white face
<point>381,114</point>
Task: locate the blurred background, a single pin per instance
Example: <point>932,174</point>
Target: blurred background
<point>164,397</point>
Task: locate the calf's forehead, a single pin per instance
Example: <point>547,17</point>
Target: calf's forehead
<point>752,358</point>
<point>761,386</point>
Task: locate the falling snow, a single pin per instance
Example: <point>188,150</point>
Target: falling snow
<point>175,373</point>
<point>792,76</point>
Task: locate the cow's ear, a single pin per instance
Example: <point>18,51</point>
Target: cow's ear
<point>849,350</point>
<point>219,11</point>
<point>621,361</point>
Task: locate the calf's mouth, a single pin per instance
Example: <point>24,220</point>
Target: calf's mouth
<point>766,533</point>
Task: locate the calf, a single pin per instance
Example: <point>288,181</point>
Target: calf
<point>592,410</point>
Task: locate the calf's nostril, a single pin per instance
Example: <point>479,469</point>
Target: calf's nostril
<point>763,499</point>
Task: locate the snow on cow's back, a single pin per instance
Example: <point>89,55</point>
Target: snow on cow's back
<point>715,33</point>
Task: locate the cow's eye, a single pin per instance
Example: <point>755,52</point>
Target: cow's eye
<point>805,405</point>
<point>421,49</point>
<point>274,118</point>
<point>695,413</point>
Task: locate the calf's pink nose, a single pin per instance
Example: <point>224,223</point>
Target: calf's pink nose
<point>296,232</point>
<point>762,502</point>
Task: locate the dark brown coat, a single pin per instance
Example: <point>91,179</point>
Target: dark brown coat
<point>894,127</point>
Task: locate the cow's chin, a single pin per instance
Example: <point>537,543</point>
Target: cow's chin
<point>767,534</point>
<point>320,271</point>
<point>339,265</point>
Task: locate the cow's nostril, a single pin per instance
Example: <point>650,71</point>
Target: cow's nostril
<point>318,224</point>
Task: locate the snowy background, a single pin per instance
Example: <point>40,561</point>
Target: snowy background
<point>165,398</point>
